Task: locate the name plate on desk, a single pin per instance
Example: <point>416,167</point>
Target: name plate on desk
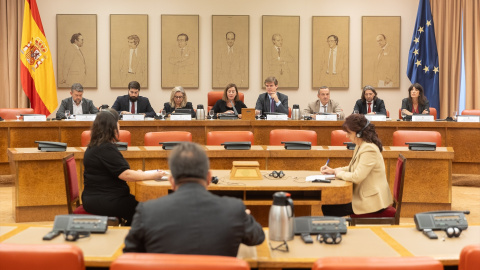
<point>422,118</point>
<point>277,117</point>
<point>35,118</point>
<point>376,117</point>
<point>85,117</point>
<point>180,117</point>
<point>326,117</point>
<point>133,117</point>
<point>468,118</point>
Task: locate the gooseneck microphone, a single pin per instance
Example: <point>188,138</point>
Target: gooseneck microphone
<point>235,110</point>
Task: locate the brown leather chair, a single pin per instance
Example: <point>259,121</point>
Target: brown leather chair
<point>41,257</point>
<point>124,136</point>
<point>377,263</point>
<point>470,258</point>
<point>400,137</point>
<point>214,96</point>
<point>11,113</point>
<point>391,214</point>
<point>338,137</point>
<point>151,261</point>
<point>433,112</point>
<point>277,136</point>
<point>471,112</point>
<point>219,137</point>
<point>154,138</point>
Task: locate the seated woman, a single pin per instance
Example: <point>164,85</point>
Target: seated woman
<point>106,192</point>
<point>178,100</point>
<point>366,171</point>
<point>416,103</point>
<point>229,101</point>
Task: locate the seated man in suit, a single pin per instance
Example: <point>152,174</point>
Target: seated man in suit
<point>133,103</point>
<point>272,101</point>
<point>191,220</point>
<point>324,104</point>
<point>76,104</point>
<point>369,103</point>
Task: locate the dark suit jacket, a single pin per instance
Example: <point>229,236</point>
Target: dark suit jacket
<point>143,105</point>
<point>263,103</point>
<point>169,109</point>
<point>192,221</point>
<point>378,106</point>
<point>67,104</point>
<point>409,106</point>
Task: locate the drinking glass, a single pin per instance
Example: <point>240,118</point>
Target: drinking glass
<point>403,114</point>
<point>163,113</point>
<point>257,114</point>
<point>455,113</point>
<point>211,113</point>
<point>18,117</point>
<point>67,114</point>
<point>355,112</point>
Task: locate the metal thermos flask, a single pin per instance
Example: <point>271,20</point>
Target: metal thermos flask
<point>280,219</point>
<point>296,112</point>
<point>200,112</point>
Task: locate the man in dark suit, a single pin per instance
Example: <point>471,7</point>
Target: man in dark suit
<point>133,103</point>
<point>76,104</point>
<point>192,220</point>
<point>369,103</point>
<point>272,101</point>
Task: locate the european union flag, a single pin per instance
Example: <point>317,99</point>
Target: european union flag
<point>423,57</point>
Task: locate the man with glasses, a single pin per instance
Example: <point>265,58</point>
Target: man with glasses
<point>133,103</point>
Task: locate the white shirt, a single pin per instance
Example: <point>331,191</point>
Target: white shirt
<point>322,110</point>
<point>77,109</point>
<point>130,106</point>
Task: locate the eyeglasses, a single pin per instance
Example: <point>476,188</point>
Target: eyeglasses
<point>178,97</point>
<point>275,174</point>
<point>282,247</point>
<point>330,238</point>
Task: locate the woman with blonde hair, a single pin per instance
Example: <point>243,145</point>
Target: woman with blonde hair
<point>178,100</point>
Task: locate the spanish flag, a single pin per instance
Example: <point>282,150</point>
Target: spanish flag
<point>36,70</point>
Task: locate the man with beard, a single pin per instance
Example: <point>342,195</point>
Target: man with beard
<point>133,103</point>
<point>76,104</point>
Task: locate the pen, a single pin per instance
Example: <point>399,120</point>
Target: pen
<point>326,164</point>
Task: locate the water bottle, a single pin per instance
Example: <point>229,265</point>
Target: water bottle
<point>200,112</point>
<point>296,112</point>
<point>280,219</point>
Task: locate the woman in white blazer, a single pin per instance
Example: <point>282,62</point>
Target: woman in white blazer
<point>366,171</point>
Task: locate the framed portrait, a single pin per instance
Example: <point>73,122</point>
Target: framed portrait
<point>76,50</point>
<point>330,51</point>
<point>280,43</point>
<point>230,51</point>
<point>380,51</point>
<point>180,51</point>
<point>128,50</point>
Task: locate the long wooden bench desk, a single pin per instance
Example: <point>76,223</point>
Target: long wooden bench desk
<point>462,137</point>
<point>100,250</point>
<point>40,188</point>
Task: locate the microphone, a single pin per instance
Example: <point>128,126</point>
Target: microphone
<point>235,110</point>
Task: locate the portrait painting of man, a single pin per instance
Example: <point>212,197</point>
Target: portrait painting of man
<point>380,51</point>
<point>180,51</point>
<point>128,50</point>
<point>77,50</point>
<point>330,52</point>
<point>230,52</point>
<point>281,49</point>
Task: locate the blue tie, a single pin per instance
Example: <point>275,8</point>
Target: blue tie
<point>272,105</point>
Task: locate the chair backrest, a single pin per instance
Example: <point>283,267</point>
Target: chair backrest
<point>41,257</point>
<point>377,263</point>
<point>219,137</point>
<point>150,261</point>
<point>338,137</point>
<point>277,136</point>
<point>11,113</point>
<point>153,138</point>
<point>214,96</point>
<point>124,136</point>
<point>433,112</point>
<point>400,137</point>
<point>388,113</point>
<point>471,112</point>
<point>71,182</point>
<point>470,258</point>
<point>398,186</point>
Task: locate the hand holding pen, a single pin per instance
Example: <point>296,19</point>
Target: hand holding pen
<point>324,167</point>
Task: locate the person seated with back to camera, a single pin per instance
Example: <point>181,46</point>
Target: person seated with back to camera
<point>106,192</point>
<point>178,100</point>
<point>416,102</point>
<point>229,101</point>
<point>366,171</point>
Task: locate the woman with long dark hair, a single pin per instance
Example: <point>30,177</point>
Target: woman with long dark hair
<point>416,103</point>
<point>229,101</point>
<point>366,171</point>
<point>106,192</point>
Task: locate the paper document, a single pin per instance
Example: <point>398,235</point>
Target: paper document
<point>311,178</point>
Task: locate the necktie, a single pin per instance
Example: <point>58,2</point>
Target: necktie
<point>133,108</point>
<point>272,105</point>
<point>278,49</point>
<point>324,108</point>
<point>369,106</point>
